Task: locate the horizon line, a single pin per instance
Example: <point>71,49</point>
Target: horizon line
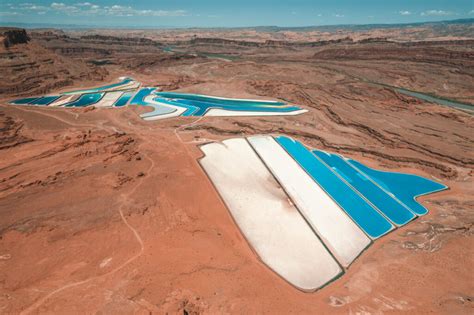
<point>92,26</point>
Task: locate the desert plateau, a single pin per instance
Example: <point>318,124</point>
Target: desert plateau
<point>103,212</point>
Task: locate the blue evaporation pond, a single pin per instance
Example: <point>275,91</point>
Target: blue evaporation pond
<point>390,207</point>
<point>101,88</point>
<point>123,100</point>
<point>24,101</point>
<point>86,100</point>
<point>199,108</point>
<point>216,100</point>
<point>363,214</point>
<point>45,100</point>
<point>404,187</point>
<point>139,98</point>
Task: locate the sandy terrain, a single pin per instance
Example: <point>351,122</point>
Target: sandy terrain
<point>103,212</point>
<point>424,31</point>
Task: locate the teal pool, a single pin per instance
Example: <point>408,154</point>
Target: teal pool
<point>165,104</point>
<point>347,205</point>
<point>86,100</point>
<point>46,100</point>
<point>199,105</point>
<point>24,101</point>
<point>394,210</point>
<point>366,216</point>
<point>139,98</point>
<point>376,200</point>
<point>123,100</point>
<point>403,187</point>
<point>217,100</point>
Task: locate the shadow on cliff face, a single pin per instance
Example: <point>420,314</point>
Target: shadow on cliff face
<point>13,36</point>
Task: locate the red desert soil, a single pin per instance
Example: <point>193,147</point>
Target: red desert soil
<point>102,212</point>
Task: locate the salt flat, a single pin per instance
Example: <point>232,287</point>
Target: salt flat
<point>268,220</point>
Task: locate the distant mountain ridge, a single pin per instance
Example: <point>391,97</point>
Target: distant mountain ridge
<point>263,28</point>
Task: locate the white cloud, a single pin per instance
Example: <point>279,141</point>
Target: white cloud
<point>471,12</point>
<point>436,13</point>
<point>60,6</point>
<point>405,12</point>
<point>119,10</point>
<point>10,13</point>
<point>26,7</point>
<point>57,5</point>
<point>63,8</point>
<point>339,15</point>
<point>91,9</point>
<point>35,8</point>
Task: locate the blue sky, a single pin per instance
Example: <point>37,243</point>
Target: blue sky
<point>222,13</point>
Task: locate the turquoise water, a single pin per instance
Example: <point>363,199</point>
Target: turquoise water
<point>86,100</point>
<point>139,98</point>
<point>101,88</point>
<point>168,48</point>
<point>24,101</point>
<point>46,100</point>
<point>123,100</point>
<point>437,100</point>
<point>194,105</point>
<point>368,218</point>
<point>199,108</point>
<point>198,105</point>
<point>404,187</point>
<point>390,207</point>
<point>203,98</point>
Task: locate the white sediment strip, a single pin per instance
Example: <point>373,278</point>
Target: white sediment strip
<point>64,100</point>
<point>270,222</point>
<point>161,110</point>
<point>340,234</point>
<point>225,112</point>
<point>227,98</point>
<point>129,86</point>
<point>109,99</point>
